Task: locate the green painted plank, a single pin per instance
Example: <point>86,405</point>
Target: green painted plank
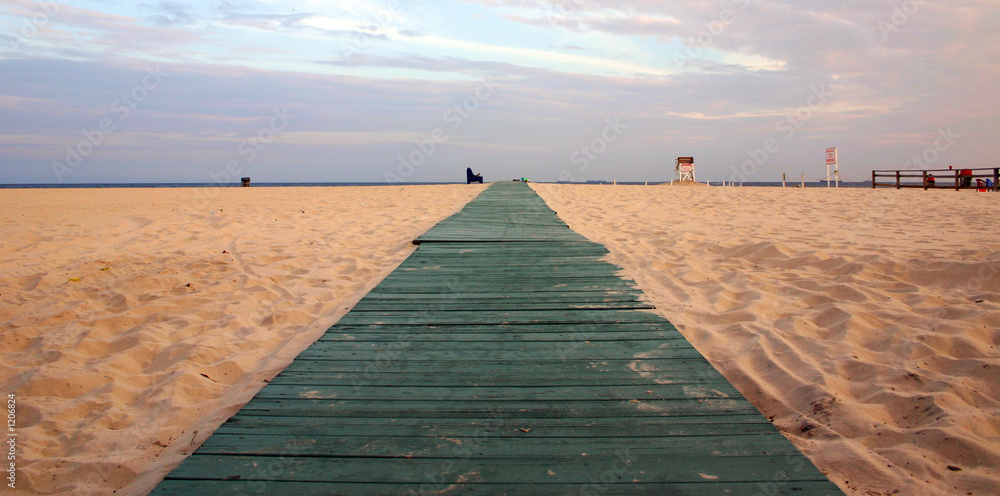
<point>541,268</point>
<point>504,346</point>
<point>565,295</point>
<point>304,442</point>
<point>405,363</point>
<point>527,256</point>
<point>552,327</point>
<point>473,283</point>
<point>691,375</point>
<point>459,288</point>
<point>568,353</point>
<point>487,428</point>
<point>499,393</point>
<point>604,483</point>
<point>556,262</point>
<point>458,299</point>
<point>456,468</point>
<point>402,362</point>
<point>463,303</point>
<point>543,247</point>
<point>406,336</point>
<point>500,317</point>
<point>568,273</point>
<point>422,334</point>
<point>447,290</point>
<point>564,282</point>
<point>514,262</point>
<point>360,378</point>
<point>389,375</point>
<point>333,408</point>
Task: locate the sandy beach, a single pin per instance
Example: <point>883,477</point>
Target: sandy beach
<point>864,322</point>
<point>134,321</point>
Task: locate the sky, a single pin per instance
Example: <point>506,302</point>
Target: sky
<point>103,91</point>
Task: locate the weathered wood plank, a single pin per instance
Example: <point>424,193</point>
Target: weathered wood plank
<point>422,334</point>
<point>360,378</point>
<point>655,467</point>
<point>462,304</point>
<point>492,294</point>
<point>651,345</point>
<point>293,443</point>
<point>613,487</point>
<point>594,354</point>
<point>487,317</point>
<point>499,393</point>
<point>333,408</point>
<point>490,427</point>
<point>405,364</point>
<point>553,327</point>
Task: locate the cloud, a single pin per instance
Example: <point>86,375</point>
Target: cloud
<point>639,24</point>
<point>170,13</point>
<point>268,22</point>
<point>534,57</point>
<point>79,33</point>
<point>454,65</point>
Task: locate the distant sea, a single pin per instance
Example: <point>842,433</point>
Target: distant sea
<point>776,184</point>
<point>790,184</point>
<point>199,185</point>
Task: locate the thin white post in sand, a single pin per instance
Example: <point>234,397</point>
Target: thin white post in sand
<point>803,179</point>
<point>782,179</point>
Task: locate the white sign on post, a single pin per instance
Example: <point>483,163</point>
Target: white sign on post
<point>831,160</point>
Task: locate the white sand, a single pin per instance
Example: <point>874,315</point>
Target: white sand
<point>134,321</point>
<point>864,322</point>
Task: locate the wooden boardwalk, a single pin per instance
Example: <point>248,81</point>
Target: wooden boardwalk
<point>502,357</point>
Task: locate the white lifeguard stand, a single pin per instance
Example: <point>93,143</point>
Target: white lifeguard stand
<point>685,169</point>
